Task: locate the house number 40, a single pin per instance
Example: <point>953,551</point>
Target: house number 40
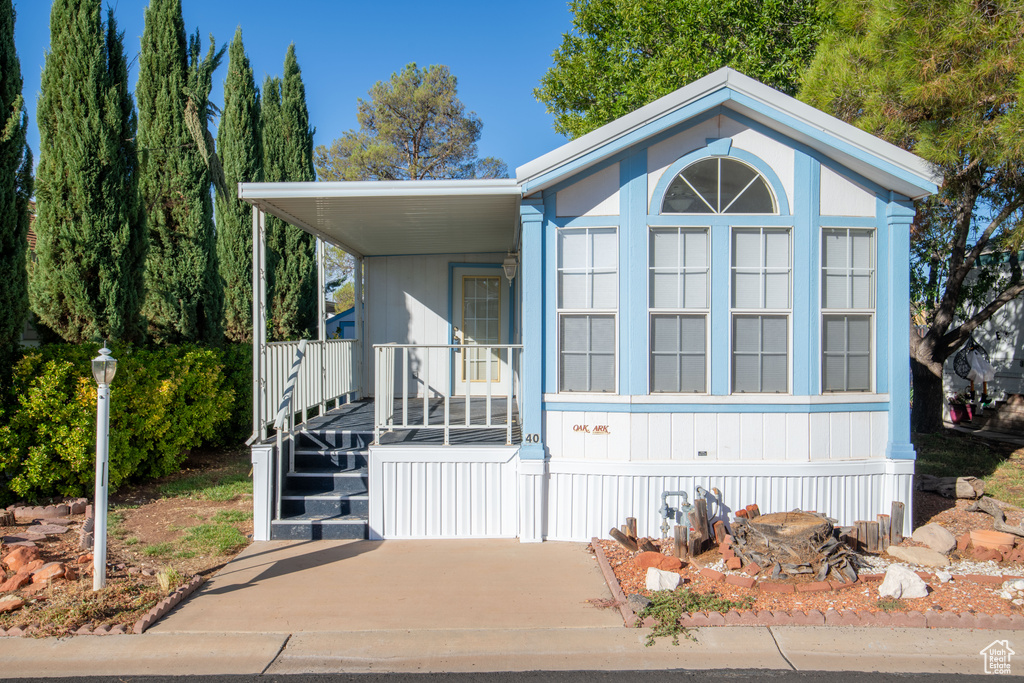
<point>532,438</point>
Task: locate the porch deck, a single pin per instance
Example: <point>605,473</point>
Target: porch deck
<point>358,417</point>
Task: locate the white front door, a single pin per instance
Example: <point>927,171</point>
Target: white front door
<point>480,318</point>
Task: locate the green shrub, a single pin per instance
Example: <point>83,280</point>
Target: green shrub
<point>164,402</point>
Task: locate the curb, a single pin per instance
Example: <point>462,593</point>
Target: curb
<point>911,619</point>
<point>151,617</point>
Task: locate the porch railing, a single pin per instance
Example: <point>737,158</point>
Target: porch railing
<point>413,378</point>
<point>328,371</point>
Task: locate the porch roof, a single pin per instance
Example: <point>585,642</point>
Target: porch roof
<point>378,218</point>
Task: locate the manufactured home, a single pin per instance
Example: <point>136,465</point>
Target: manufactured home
<point>711,291</point>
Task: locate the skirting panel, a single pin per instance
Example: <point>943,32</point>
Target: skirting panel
<point>443,492</point>
<point>586,499</point>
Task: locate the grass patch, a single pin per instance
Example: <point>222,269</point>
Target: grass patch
<point>115,525</point>
<point>667,607</point>
<point>891,605</point>
<point>229,484</point>
<point>231,516</point>
<point>209,539</point>
<point>158,549</point>
<point>961,455</point>
<point>131,540</point>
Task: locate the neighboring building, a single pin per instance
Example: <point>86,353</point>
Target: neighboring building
<point>710,291</point>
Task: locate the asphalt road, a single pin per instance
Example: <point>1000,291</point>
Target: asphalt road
<point>645,676</point>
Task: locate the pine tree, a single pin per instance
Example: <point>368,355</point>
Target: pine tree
<point>288,155</point>
<point>240,149</point>
<point>91,238</point>
<point>184,294</point>
<point>14,154</point>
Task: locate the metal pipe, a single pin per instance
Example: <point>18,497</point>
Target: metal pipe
<point>665,510</point>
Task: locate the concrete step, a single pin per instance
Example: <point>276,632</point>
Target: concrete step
<point>329,481</point>
<point>324,505</point>
<point>313,528</point>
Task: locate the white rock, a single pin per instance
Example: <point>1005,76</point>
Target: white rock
<point>936,537</point>
<point>922,557</point>
<point>901,582</point>
<point>944,577</point>
<point>658,580</point>
<point>1005,595</point>
<point>1018,601</point>
<point>1016,584</point>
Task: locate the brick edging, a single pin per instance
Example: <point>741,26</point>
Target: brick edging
<point>831,617</point>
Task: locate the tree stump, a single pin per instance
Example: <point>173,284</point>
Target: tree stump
<point>797,534</point>
<point>6,518</point>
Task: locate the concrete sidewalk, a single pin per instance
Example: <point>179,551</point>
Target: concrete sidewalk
<point>425,606</point>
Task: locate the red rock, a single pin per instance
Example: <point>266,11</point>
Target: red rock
<point>752,569</point>
<point>712,574</point>
<point>670,564</point>
<point>734,563</point>
<point>728,554</point>
<point>34,588</point>
<point>769,587</point>
<point>48,572</point>
<point>11,603</point>
<point>70,574</point>
<point>741,581</point>
<point>21,556</point>
<point>814,587</point>
<point>83,559</point>
<point>15,582</point>
<point>648,559</point>
<point>964,542</point>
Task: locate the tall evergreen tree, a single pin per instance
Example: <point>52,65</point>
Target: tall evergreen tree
<point>240,149</point>
<point>288,155</point>
<point>14,154</point>
<point>184,295</point>
<point>91,238</point>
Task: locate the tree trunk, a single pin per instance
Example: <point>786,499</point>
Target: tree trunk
<point>926,415</point>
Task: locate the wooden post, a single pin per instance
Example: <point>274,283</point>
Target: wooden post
<point>700,506</point>
<point>679,536</point>
<point>631,527</point>
<point>623,540</point>
<point>883,531</point>
<point>896,523</point>
<point>873,536</point>
<point>862,535</point>
<point>695,539</point>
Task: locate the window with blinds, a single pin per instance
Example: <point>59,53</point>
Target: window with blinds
<point>678,308</point>
<point>847,307</point>
<point>588,291</point>
<point>761,307</point>
<point>718,185</point>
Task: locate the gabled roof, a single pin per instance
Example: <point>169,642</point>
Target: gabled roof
<point>877,160</point>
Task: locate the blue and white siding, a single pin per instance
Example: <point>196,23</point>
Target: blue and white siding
<point>847,455</point>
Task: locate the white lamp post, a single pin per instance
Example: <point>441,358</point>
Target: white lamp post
<point>103,369</point>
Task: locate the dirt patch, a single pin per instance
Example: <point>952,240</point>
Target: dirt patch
<point>159,535</point>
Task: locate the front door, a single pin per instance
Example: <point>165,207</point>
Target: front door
<point>479,318</point>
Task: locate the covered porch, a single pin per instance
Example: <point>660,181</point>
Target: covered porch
<point>435,365</point>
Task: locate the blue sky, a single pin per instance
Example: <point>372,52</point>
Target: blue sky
<point>498,51</point>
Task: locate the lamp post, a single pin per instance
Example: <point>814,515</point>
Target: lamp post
<point>103,369</point>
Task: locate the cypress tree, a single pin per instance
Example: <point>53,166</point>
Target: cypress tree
<point>184,295</point>
<point>288,155</point>
<point>240,148</point>
<point>90,230</point>
<point>14,194</point>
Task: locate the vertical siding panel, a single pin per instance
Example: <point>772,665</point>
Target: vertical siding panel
<point>618,436</point>
<point>798,436</point>
<point>839,436</point>
<point>819,431</point>
<point>682,436</point>
<point>639,447</point>
<point>879,433</point>
<point>775,436</point>
<point>572,441</point>
<point>751,436</point>
<point>728,436</point>
<point>553,433</point>
<point>860,435</point>
<point>659,444</point>
<point>597,444</point>
<point>705,434</point>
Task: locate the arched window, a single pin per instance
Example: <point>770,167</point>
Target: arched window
<point>719,185</point>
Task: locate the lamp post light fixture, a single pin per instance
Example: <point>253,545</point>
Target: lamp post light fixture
<point>103,369</point>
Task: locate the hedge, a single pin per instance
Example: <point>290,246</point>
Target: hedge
<point>164,401</point>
